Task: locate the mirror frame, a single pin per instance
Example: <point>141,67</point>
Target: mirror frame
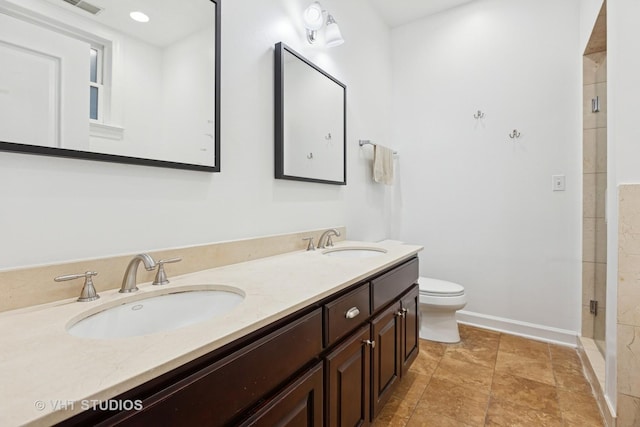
<point>280,49</point>
<point>114,158</point>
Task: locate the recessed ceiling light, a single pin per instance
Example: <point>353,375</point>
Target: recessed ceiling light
<point>139,16</point>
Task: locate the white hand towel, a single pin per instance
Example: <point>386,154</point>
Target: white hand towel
<point>383,165</point>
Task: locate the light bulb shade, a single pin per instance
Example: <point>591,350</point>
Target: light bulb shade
<point>332,35</point>
<point>312,17</point>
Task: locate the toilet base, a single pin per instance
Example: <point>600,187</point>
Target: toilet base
<point>440,326</point>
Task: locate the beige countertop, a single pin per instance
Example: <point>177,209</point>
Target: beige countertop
<point>48,375</point>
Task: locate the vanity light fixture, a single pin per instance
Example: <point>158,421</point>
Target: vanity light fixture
<point>313,18</point>
<point>139,16</point>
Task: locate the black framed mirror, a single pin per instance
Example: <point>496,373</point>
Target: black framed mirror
<point>310,121</point>
<point>94,80</point>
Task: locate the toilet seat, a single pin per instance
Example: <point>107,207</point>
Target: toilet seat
<point>439,288</point>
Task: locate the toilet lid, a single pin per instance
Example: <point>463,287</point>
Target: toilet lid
<point>435,287</point>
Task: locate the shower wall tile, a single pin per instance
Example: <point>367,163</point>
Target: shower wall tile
<point>601,185</point>
<point>601,149</point>
<point>628,305</point>
<point>601,73</point>
<point>629,360</point>
<point>589,150</point>
<point>600,284</point>
<point>589,195</point>
<point>601,241</point>
<point>599,326</point>
<point>595,68</point>
<point>628,411</point>
<point>587,323</point>
<point>628,339</point>
<point>588,282</point>
<point>589,240</point>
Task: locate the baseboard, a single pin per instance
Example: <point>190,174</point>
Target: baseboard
<point>516,327</point>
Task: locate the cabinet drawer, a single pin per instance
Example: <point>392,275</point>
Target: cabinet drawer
<point>345,314</point>
<point>219,393</point>
<point>393,283</point>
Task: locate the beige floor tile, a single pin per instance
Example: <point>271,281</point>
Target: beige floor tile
<point>564,356</point>
<point>508,414</point>
<point>428,358</point>
<point>524,347</point>
<point>571,378</point>
<point>492,379</point>
<point>411,388</point>
<point>476,346</point>
<point>464,404</point>
<point>579,409</point>
<point>423,418</point>
<point>464,373</point>
<point>395,412</point>
<point>524,392</point>
<point>525,367</point>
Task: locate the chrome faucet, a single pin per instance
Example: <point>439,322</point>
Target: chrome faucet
<point>129,280</point>
<point>326,237</point>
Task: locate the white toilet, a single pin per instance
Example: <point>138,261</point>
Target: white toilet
<point>439,301</point>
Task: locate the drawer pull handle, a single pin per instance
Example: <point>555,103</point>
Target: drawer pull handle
<point>401,313</point>
<point>352,312</point>
<point>370,343</point>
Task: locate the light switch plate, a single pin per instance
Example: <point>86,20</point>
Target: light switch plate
<point>558,182</point>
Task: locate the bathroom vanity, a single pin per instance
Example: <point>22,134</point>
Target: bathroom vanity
<point>334,362</point>
<point>317,340</point>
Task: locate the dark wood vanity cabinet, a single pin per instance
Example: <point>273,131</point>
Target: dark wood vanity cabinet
<point>348,366</point>
<point>410,344</point>
<point>334,363</point>
<point>388,342</point>
<point>300,404</point>
<point>387,368</point>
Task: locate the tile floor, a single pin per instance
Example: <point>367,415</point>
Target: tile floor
<point>492,379</point>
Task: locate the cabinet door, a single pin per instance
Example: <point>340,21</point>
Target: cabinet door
<point>348,372</point>
<point>410,328</point>
<point>299,404</point>
<point>386,332</point>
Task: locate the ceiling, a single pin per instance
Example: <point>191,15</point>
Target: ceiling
<point>400,12</point>
<point>171,20</point>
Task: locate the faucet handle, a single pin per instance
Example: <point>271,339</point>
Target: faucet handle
<point>310,245</point>
<point>161,276</point>
<point>329,241</point>
<point>88,292</point>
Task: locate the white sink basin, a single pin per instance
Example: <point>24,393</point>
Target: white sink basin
<point>157,313</point>
<point>354,252</point>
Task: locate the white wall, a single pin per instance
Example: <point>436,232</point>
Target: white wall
<point>480,202</point>
<point>57,209</point>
